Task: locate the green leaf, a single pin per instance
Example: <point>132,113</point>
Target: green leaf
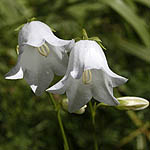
<point>135,49</point>
<point>144,2</point>
<point>131,17</point>
<point>13,12</point>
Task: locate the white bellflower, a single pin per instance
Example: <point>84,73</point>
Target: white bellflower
<point>87,76</point>
<point>41,54</point>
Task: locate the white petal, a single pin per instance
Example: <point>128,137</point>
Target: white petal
<point>58,60</point>
<point>78,94</point>
<point>95,59</point>
<point>35,34</point>
<point>58,88</point>
<point>88,55</point>
<point>33,87</point>
<point>66,44</point>
<point>102,89</point>
<point>38,69</point>
<point>118,80</point>
<point>18,75</point>
<point>76,61</point>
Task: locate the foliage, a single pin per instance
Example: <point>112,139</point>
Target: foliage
<point>28,122</point>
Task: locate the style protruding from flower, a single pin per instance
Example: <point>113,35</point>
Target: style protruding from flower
<point>87,76</point>
<point>41,55</point>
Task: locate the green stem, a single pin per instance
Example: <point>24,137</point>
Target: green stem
<point>57,108</point>
<point>93,113</point>
<point>66,146</point>
<point>53,101</point>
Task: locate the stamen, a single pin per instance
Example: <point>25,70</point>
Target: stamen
<point>87,77</point>
<point>44,50</point>
<point>40,51</point>
<point>17,49</point>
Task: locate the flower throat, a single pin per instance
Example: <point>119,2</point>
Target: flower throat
<point>43,50</point>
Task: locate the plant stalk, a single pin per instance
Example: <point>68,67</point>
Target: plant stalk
<point>57,109</point>
<point>93,113</point>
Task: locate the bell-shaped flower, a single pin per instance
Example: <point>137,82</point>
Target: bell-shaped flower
<point>41,54</point>
<point>87,76</point>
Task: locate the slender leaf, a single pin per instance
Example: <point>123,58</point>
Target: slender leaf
<point>135,49</point>
<point>144,2</point>
<point>131,17</point>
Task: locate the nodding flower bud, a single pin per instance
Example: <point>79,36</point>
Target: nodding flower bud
<point>65,107</point>
<point>132,103</point>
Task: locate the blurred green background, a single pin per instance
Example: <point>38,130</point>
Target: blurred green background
<point>28,122</point>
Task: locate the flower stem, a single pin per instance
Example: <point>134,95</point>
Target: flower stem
<point>93,113</point>
<point>57,109</point>
<point>66,146</point>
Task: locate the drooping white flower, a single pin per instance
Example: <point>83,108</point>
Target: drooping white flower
<point>41,54</point>
<point>87,76</point>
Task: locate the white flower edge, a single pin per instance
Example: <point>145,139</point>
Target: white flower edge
<point>18,75</point>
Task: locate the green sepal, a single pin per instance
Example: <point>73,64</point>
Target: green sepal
<point>95,38</point>
<point>101,45</point>
<point>53,30</point>
<point>28,20</point>
<point>19,27</point>
<point>31,19</point>
<point>77,39</point>
<point>98,40</point>
<point>84,33</point>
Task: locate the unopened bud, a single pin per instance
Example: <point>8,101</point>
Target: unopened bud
<point>65,107</point>
<point>64,104</point>
<point>132,103</point>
